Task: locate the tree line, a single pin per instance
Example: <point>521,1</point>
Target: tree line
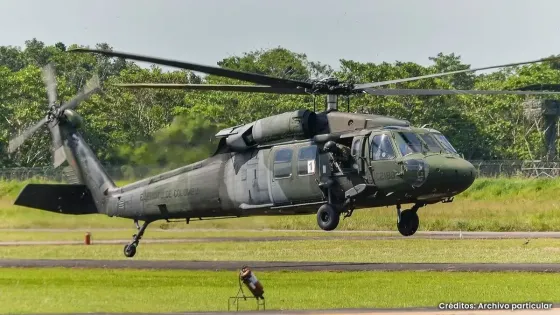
<point>173,127</point>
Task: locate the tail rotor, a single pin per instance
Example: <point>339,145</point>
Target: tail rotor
<point>56,113</point>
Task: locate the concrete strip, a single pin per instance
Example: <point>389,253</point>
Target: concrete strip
<point>419,235</point>
<point>448,234</point>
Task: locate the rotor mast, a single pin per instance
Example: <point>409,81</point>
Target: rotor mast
<point>332,102</point>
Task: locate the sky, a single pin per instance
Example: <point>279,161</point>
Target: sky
<point>482,32</point>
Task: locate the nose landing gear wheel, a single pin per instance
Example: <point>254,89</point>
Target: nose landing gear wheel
<point>327,217</point>
<point>409,222</point>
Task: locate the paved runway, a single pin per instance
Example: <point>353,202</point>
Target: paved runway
<point>383,235</point>
<point>274,266</point>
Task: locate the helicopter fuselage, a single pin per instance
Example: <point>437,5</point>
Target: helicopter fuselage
<point>284,178</point>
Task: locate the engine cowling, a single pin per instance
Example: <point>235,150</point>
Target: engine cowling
<point>300,123</point>
<point>290,125</point>
<point>74,118</point>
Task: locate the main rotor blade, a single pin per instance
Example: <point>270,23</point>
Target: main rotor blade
<point>541,87</point>
<point>386,92</point>
<point>376,84</point>
<point>228,73</point>
<point>19,140</point>
<point>214,87</point>
<point>49,78</point>
<point>92,86</point>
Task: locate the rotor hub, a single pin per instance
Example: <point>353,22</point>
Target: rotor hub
<point>333,86</point>
<point>53,112</point>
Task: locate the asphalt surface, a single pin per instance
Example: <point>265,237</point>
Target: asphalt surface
<point>274,266</point>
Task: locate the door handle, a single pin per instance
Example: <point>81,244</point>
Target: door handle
<point>403,169</point>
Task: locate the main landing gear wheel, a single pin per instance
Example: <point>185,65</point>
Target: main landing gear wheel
<point>408,223</point>
<point>327,217</point>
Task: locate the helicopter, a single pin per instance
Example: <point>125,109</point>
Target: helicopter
<point>327,163</point>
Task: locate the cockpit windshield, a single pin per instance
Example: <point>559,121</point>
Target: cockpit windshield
<point>446,144</point>
<point>433,144</point>
<point>408,142</point>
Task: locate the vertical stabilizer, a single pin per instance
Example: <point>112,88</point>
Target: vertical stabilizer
<point>85,167</point>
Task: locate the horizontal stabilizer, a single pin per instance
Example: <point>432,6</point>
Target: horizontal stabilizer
<point>60,198</point>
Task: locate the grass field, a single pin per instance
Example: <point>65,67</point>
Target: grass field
<point>398,250</point>
<point>502,204</point>
<point>485,192</point>
<point>489,205</point>
<point>83,291</point>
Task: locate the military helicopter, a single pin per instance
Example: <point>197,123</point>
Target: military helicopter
<point>301,162</point>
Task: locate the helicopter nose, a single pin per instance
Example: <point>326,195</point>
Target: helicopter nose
<point>449,174</point>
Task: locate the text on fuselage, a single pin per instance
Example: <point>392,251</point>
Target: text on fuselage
<point>168,194</point>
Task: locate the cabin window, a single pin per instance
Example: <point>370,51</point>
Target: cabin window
<point>381,148</point>
<point>283,163</point>
<point>306,160</point>
<point>433,145</point>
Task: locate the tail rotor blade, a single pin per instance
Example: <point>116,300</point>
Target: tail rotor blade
<point>19,140</point>
<point>49,78</point>
<point>91,87</point>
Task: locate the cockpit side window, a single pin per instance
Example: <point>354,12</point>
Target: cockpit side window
<point>408,142</point>
<point>381,148</point>
<point>356,147</point>
<point>432,143</point>
<point>446,144</point>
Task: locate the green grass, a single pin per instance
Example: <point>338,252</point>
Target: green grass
<point>82,291</point>
<point>382,251</point>
<point>500,204</point>
<point>536,189</point>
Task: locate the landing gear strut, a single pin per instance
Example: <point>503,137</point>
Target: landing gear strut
<point>130,248</point>
<point>407,220</point>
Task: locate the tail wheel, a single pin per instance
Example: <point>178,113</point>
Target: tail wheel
<point>130,250</point>
<point>327,217</point>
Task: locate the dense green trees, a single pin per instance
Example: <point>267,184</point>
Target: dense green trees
<point>172,127</point>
